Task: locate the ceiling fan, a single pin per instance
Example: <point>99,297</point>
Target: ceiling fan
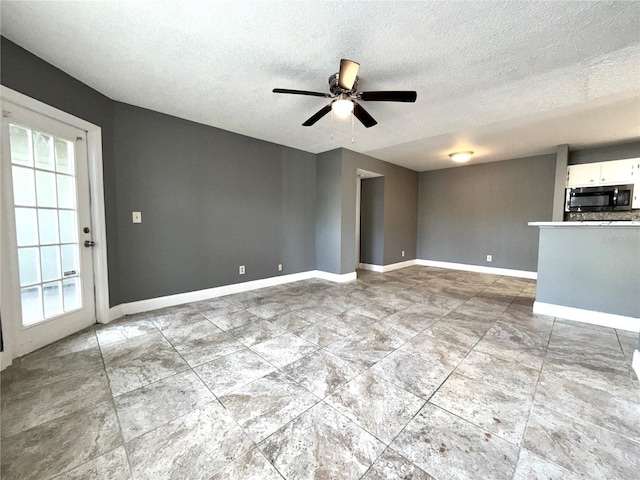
<point>344,92</point>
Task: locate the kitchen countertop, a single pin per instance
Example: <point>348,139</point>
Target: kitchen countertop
<point>586,224</point>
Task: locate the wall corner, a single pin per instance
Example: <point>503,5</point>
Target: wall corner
<point>562,160</point>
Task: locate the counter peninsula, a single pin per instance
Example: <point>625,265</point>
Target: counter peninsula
<point>590,272</point>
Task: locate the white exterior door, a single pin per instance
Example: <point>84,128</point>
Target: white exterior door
<point>47,238</point>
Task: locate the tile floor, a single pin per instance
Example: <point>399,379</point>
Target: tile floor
<point>420,373</point>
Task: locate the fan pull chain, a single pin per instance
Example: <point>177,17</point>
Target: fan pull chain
<point>331,135</point>
<point>352,137</point>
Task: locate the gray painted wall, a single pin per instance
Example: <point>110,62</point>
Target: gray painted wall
<point>605,154</point>
<point>593,268</point>
<point>211,200</point>
<point>298,207</point>
<point>28,74</point>
<point>466,213</point>
<point>372,221</point>
<point>336,210</point>
<point>329,211</point>
<point>400,209</point>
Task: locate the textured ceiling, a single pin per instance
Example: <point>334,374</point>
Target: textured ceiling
<point>505,79</point>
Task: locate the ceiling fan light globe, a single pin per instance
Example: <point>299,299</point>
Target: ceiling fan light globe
<point>342,107</point>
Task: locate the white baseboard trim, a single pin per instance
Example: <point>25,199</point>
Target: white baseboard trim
<point>140,306</point>
<point>386,268</point>
<point>198,295</point>
<point>610,320</point>
<point>397,266</point>
<point>371,267</point>
<point>335,277</point>
<point>636,362</point>
<point>507,272</point>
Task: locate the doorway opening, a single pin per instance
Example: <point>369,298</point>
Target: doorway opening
<point>369,220</point>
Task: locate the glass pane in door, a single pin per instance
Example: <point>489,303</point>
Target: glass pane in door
<point>31,304</point>
<point>24,189</point>
<point>43,151</point>
<point>26,226</point>
<point>44,191</point>
<point>64,156</point>
<point>21,151</point>
<point>71,291</point>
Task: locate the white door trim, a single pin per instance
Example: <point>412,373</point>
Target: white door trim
<point>94,157</point>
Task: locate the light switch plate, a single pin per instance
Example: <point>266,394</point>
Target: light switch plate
<point>137,217</point>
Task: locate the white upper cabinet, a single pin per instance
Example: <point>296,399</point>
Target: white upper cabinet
<point>585,175</point>
<point>617,172</point>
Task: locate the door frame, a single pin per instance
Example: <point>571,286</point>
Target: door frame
<point>9,301</point>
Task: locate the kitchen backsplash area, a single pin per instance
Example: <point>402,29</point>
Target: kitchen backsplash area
<point>627,215</point>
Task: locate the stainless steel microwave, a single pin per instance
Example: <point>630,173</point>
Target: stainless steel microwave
<point>599,199</point>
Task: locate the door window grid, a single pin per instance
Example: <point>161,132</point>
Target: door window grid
<point>46,224</point>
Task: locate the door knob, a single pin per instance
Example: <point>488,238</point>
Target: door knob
<point>89,243</point>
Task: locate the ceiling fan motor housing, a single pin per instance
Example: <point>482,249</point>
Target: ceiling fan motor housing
<point>336,89</point>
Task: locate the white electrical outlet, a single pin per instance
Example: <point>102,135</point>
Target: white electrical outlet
<point>136,217</point>
<point>241,270</point>
<point>279,267</point>
<point>489,258</point>
<point>403,253</point>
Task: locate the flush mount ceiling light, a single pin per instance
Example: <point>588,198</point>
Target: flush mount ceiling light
<point>342,107</point>
<point>461,157</point>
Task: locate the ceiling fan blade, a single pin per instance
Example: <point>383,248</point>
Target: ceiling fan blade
<point>301,92</point>
<point>397,96</point>
<point>348,72</point>
<point>362,115</point>
<point>321,113</point>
